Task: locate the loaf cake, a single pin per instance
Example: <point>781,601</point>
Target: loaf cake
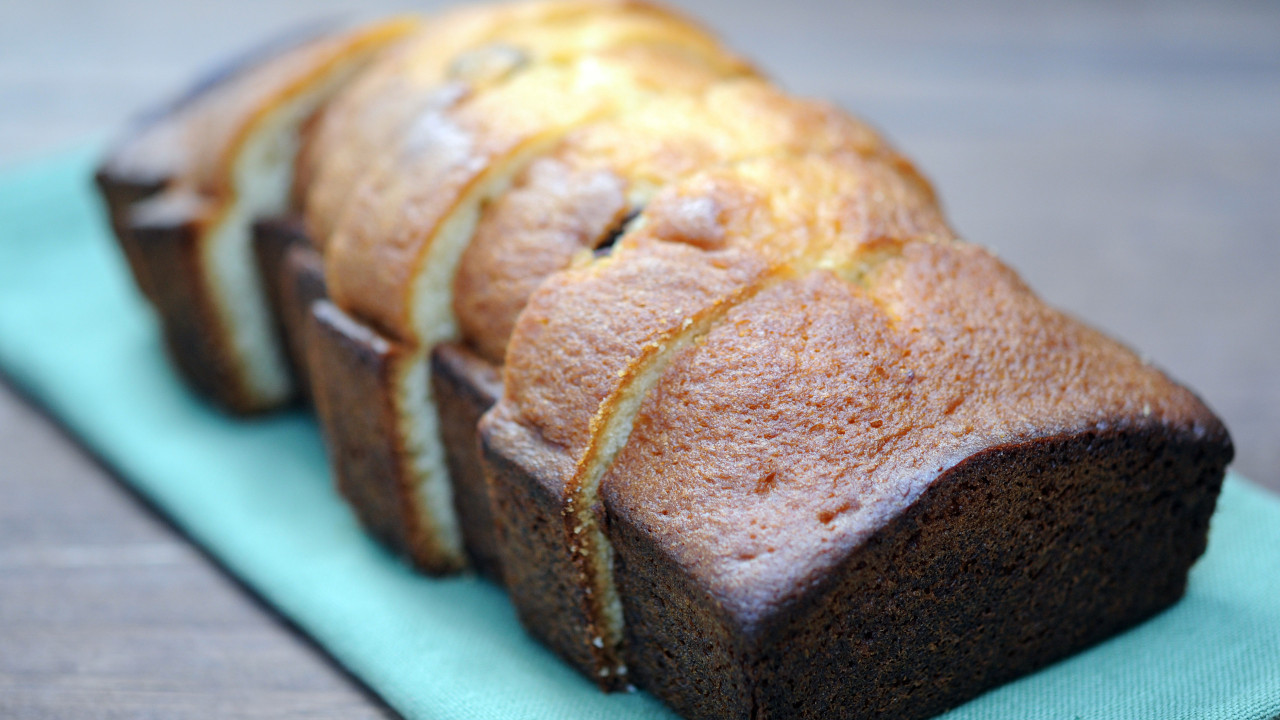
<point>695,368</point>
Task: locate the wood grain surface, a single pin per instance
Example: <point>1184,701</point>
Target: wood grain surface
<point>1125,157</point>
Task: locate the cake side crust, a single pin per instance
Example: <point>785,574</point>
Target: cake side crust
<point>545,583</point>
<point>120,193</point>
<point>292,272</point>
<point>466,386</point>
<point>1014,557</point>
<point>301,286</point>
<point>273,239</point>
<point>355,372</point>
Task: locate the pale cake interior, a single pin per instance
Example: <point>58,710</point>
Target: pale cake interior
<point>261,186</point>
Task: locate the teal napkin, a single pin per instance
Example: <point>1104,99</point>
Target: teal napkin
<point>78,338</point>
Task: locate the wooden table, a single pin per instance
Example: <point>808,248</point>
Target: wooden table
<point>1125,159</point>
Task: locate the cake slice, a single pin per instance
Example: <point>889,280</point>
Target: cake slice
<point>158,146</point>
<point>229,153</point>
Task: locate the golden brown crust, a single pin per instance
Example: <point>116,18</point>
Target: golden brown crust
<point>224,117</point>
<point>703,243</point>
<point>364,118</point>
<point>194,141</point>
<point>155,151</point>
<point>567,202</point>
<point>818,410</point>
<point>602,63</point>
<point>466,50</point>
<point>557,372</point>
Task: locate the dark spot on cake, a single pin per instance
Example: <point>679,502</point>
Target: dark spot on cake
<point>827,515</point>
<point>766,484</point>
<point>605,246</point>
